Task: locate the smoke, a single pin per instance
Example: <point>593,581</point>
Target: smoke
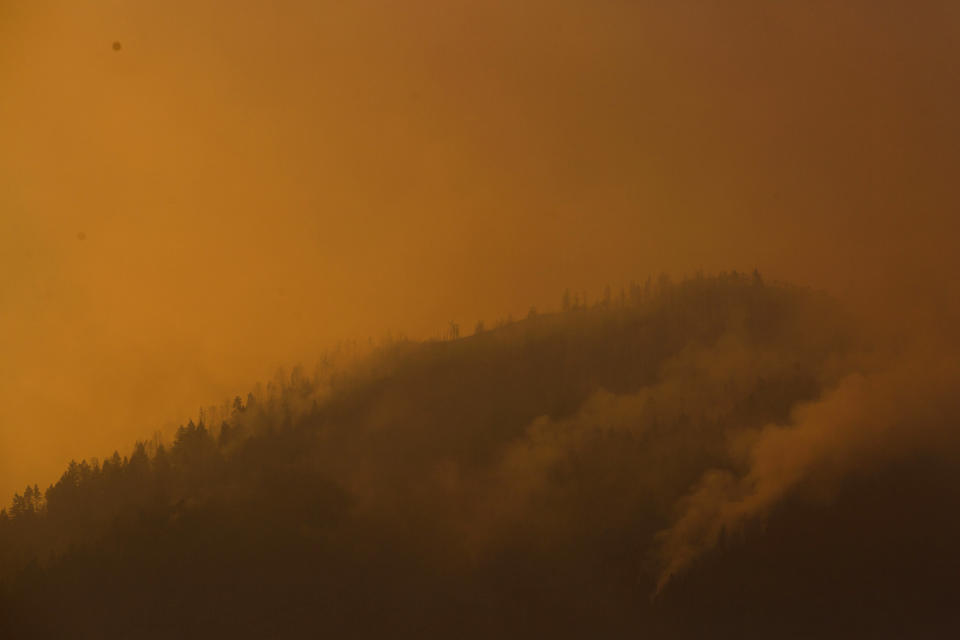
<point>867,420</point>
<point>639,452</point>
<point>256,184</point>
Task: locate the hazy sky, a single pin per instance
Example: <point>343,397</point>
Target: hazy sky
<point>244,183</point>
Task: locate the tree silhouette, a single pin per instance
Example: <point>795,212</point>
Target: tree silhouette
<point>512,485</point>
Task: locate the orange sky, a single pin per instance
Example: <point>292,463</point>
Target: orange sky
<point>255,180</point>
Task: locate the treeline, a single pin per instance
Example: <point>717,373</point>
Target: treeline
<point>90,496</point>
<point>515,482</point>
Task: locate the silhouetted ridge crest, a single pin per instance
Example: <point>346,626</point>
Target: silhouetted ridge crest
<point>531,478</point>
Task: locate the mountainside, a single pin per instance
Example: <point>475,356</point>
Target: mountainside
<point>715,458</point>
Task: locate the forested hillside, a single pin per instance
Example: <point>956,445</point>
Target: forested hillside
<point>672,461</point>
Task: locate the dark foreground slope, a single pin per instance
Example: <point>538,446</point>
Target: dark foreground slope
<point>672,464</point>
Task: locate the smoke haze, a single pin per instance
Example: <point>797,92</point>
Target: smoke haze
<point>240,186</point>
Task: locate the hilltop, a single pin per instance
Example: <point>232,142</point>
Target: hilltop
<point>646,464</point>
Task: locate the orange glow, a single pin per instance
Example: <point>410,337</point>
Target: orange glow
<point>195,193</point>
